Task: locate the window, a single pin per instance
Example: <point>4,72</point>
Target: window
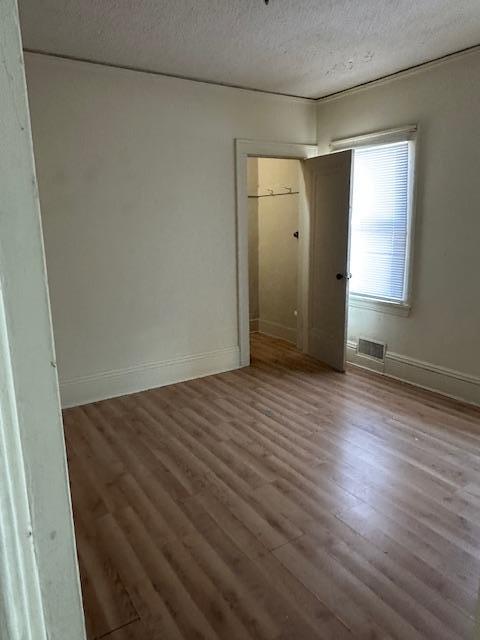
<point>381,219</point>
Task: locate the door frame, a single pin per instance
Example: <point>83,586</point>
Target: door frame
<point>266,149</point>
<point>40,594</point>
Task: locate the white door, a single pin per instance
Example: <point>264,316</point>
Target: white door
<point>327,184</point>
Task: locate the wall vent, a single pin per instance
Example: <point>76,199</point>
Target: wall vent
<point>371,349</point>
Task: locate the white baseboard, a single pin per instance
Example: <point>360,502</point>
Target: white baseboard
<point>277,330</point>
<point>111,384</point>
<point>451,383</point>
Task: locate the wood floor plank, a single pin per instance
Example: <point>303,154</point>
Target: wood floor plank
<point>282,501</point>
<point>411,599</point>
<point>156,614</point>
<point>440,586</point>
<point>130,631</point>
<point>107,603</point>
<point>316,615</point>
<point>334,588</point>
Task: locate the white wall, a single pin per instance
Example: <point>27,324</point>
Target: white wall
<point>443,327</point>
<point>136,177</point>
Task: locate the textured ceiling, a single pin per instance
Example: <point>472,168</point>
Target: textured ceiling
<point>302,47</point>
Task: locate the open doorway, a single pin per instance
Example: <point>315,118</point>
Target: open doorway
<point>324,197</point>
<point>273,186</point>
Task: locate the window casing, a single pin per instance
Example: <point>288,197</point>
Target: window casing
<point>382,219</point>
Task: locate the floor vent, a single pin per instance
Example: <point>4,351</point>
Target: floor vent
<point>371,349</point>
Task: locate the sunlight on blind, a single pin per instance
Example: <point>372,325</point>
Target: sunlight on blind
<point>380,221</point>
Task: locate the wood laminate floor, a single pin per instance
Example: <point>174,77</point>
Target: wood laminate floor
<point>280,501</point>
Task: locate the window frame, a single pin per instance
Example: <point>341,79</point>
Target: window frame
<point>379,138</point>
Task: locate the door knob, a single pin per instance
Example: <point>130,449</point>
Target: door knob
<point>340,276</point>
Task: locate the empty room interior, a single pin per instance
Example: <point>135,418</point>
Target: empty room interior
<point>239,320</point>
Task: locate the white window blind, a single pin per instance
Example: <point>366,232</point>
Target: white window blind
<point>380,221</point>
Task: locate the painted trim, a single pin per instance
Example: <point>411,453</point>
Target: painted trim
<point>119,382</point>
<point>398,75</point>
<point>277,330</point>
<point>402,73</point>
<point>406,133</point>
<point>426,375</point>
<point>173,76</point>
<point>254,325</point>
<point>375,138</point>
<point>381,306</point>
<point>20,596</point>
<point>263,149</point>
<point>39,578</point>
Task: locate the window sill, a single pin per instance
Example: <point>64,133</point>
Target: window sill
<point>381,306</point>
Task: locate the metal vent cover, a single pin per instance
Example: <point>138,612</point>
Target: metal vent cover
<point>371,349</point>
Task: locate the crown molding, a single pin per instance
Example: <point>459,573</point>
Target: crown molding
<point>403,73</point>
<point>397,75</point>
<point>151,72</point>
